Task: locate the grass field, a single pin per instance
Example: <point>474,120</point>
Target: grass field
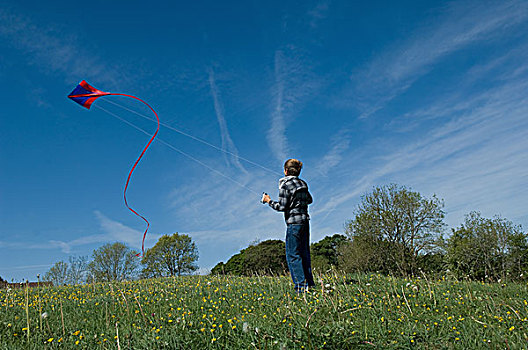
<point>201,312</point>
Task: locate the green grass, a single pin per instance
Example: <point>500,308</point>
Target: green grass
<point>201,312</point>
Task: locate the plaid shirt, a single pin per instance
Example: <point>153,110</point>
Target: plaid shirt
<point>294,199</point>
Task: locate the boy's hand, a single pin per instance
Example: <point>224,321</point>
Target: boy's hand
<point>266,198</point>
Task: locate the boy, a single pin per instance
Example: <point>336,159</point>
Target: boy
<point>294,199</point>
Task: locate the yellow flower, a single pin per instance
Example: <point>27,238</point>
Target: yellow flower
<point>511,328</point>
<point>50,340</point>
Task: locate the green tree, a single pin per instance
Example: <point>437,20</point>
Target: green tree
<point>325,253</point>
<point>218,269</point>
<point>393,226</point>
<point>171,256</point>
<point>483,248</point>
<point>58,274</point>
<point>267,257</point>
<point>234,266</point>
<point>114,262</point>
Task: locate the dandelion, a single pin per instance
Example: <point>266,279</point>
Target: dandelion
<point>50,340</point>
<point>245,327</point>
<point>44,315</point>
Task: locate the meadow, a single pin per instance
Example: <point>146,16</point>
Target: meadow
<point>207,312</point>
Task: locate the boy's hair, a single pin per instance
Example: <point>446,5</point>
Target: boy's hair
<point>293,167</point>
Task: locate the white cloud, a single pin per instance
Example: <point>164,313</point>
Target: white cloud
<point>294,82</point>
<point>227,142</point>
<point>54,49</point>
<point>466,146</point>
<point>475,158</point>
<point>277,133</point>
<point>338,146</point>
<point>113,231</point>
<point>31,267</point>
<point>222,217</point>
<point>464,24</point>
<point>318,13</point>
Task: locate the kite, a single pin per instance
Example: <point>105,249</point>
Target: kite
<point>85,94</point>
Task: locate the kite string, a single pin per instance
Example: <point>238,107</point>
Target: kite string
<point>179,151</point>
<point>197,139</point>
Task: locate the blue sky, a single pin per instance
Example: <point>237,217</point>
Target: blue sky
<point>431,95</point>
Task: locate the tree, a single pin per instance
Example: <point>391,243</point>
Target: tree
<point>392,227</point>
<point>483,248</point>
<point>113,262</point>
<point>58,274</point>
<point>234,266</point>
<point>171,256</point>
<point>77,269</point>
<point>325,253</point>
<point>267,257</point>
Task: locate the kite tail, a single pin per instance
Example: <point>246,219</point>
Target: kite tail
<point>134,167</point>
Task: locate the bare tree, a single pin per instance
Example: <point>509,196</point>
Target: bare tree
<point>77,269</point>
<point>58,274</point>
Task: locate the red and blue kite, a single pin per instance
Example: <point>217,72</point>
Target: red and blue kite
<point>85,94</point>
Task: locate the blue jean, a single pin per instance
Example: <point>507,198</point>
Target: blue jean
<point>298,255</point>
